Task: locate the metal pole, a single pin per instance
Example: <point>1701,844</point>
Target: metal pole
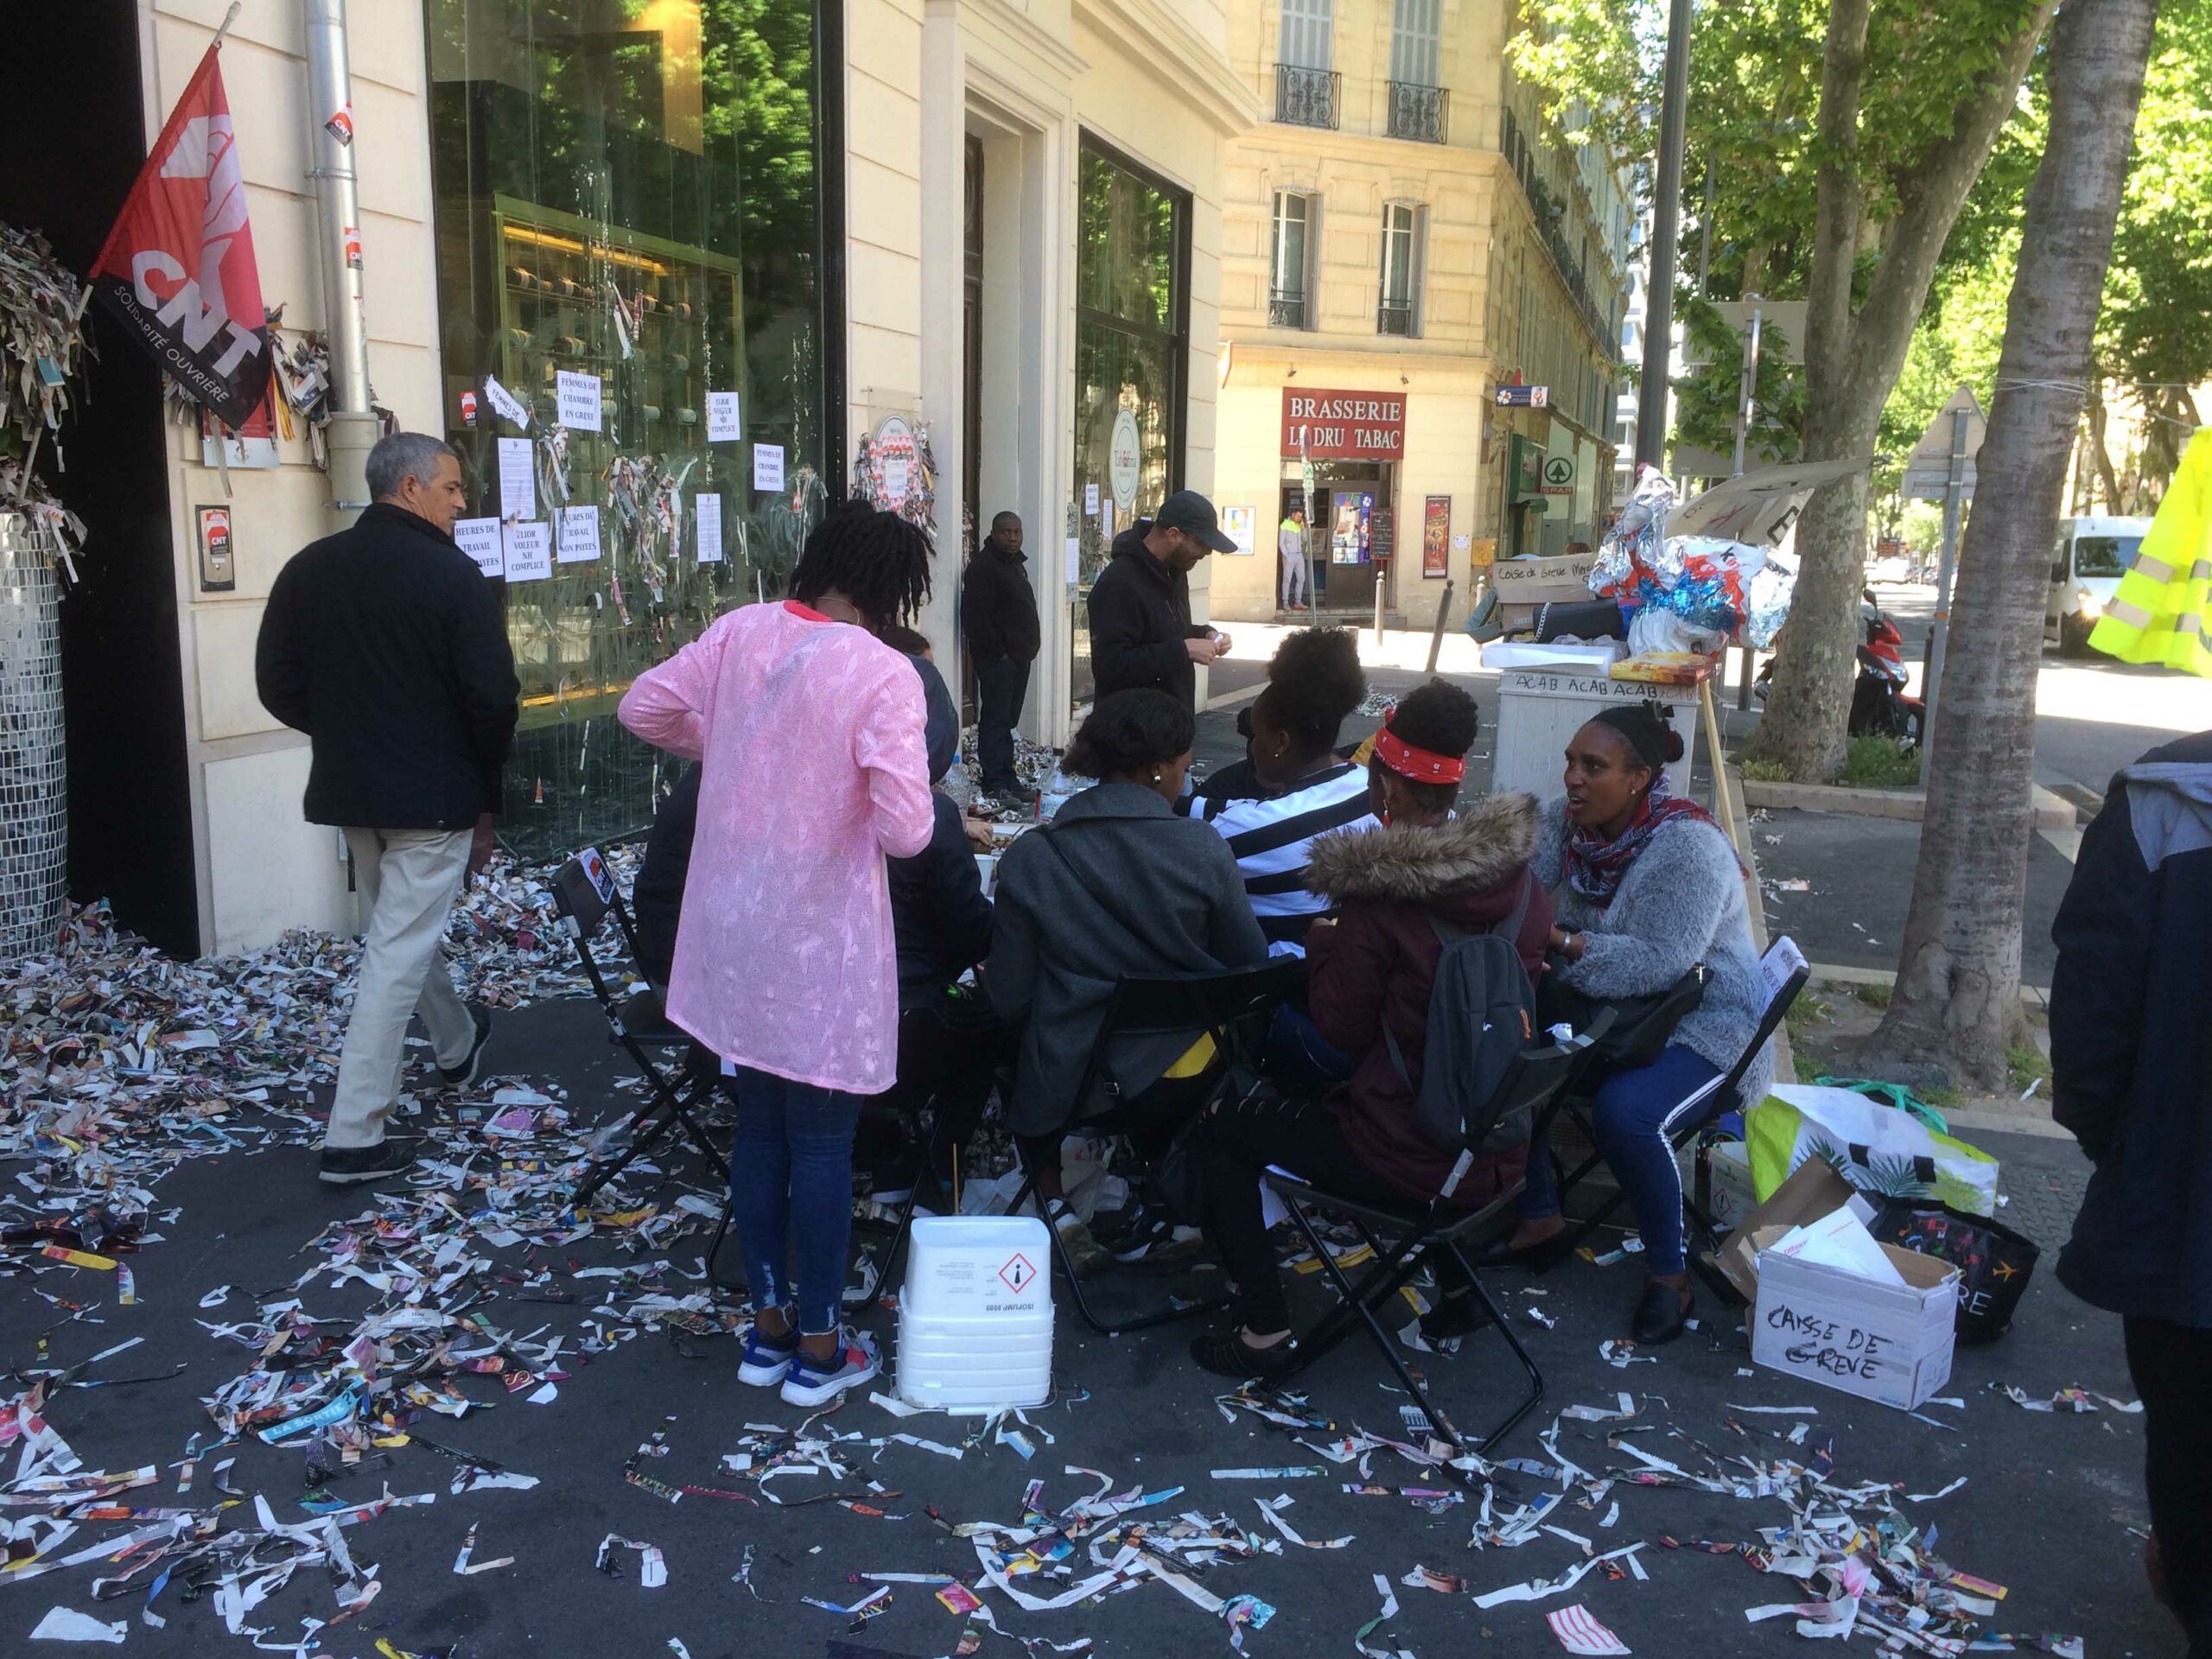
<point>1953,496</point>
<point>1665,235</point>
<point>1746,403</point>
<point>330,90</point>
<point>1705,237</point>
<point>1436,633</point>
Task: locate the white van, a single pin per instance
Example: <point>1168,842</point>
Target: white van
<point>2092,556</point>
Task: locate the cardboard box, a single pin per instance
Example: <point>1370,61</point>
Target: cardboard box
<point>1539,581</point>
<point>1885,1342</point>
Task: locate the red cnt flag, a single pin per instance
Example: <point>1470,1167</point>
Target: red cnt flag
<point>178,267</point>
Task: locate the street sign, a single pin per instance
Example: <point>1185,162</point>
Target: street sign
<point>1524,396</point>
<point>1928,468</point>
<point>1559,475</point>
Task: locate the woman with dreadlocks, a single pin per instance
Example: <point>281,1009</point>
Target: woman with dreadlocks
<point>810,732</point>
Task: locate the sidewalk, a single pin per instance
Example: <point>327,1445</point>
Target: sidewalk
<point>1132,1408</point>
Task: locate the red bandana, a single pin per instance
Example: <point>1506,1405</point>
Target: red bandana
<point>1422,765</point>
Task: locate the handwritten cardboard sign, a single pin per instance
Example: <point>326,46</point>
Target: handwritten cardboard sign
<point>1886,1343</point>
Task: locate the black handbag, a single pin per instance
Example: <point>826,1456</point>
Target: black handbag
<point>1994,1262</point>
<point>1642,1025</point>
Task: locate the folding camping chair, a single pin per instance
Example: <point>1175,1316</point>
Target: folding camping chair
<point>1782,973</point>
<point>1233,1007</point>
<point>1535,1083</point>
<point>585,894</point>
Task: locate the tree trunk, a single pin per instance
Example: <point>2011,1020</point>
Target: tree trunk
<point>1852,362</point>
<point>1957,1002</point>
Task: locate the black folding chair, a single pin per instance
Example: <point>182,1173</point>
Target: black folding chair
<point>585,894</point>
<point>1233,1007</point>
<point>1534,1085</point>
<point>1782,972</point>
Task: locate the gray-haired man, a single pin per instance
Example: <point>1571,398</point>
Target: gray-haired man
<point>384,645</point>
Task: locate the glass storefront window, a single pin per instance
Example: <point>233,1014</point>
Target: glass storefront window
<point>627,213</point>
<point>1132,325</point>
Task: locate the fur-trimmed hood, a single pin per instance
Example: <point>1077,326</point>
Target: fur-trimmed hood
<point>1472,853</point>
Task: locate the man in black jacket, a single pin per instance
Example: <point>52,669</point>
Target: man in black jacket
<point>2132,1077</point>
<point>1140,630</point>
<point>384,645</point>
<point>998,613</point>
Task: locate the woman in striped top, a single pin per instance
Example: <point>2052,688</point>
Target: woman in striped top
<point>1307,790</point>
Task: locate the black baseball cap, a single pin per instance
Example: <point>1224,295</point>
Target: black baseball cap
<point>1191,514</point>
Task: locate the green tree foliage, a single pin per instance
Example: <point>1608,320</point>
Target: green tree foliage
<point>1706,399</point>
<point>2159,292</point>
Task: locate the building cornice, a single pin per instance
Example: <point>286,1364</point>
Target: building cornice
<point>1225,102</point>
<point>1025,34</point>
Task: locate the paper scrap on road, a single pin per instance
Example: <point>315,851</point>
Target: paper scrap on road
<point>1930,1497</point>
<point>65,1624</point>
<point>1578,1632</point>
<point>1537,1589</point>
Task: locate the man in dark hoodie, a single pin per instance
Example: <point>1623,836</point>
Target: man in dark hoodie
<point>2132,1077</point>
<point>1141,635</point>
<point>998,614</point>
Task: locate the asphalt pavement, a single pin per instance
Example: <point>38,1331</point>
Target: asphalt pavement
<point>2049,1508</point>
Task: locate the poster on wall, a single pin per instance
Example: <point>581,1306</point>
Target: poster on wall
<point>1436,537</point>
<point>1348,527</point>
<point>1238,522</point>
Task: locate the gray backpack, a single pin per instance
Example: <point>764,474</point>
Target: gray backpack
<point>1481,1014</point>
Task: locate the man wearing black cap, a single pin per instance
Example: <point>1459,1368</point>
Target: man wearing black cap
<point>1140,630</point>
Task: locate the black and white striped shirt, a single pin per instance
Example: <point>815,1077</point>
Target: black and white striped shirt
<point>1269,841</point>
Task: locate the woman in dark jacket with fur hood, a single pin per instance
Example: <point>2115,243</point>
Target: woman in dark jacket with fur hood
<point>1372,967</point>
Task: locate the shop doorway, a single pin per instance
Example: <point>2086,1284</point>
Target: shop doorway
<point>1351,532</point>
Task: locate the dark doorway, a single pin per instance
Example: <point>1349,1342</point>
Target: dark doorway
<point>123,686</point>
<point>971,391</point>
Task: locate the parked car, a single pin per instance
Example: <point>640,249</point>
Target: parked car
<point>2092,556</point>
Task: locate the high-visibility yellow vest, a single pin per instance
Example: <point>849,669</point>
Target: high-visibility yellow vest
<point>2159,614</point>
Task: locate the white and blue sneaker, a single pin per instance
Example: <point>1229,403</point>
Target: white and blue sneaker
<point>816,1383</point>
<point>766,1363</point>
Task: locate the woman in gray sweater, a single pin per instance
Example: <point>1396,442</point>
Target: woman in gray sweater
<point>1644,886</point>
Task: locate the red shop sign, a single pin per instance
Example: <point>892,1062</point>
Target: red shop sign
<point>1322,425</point>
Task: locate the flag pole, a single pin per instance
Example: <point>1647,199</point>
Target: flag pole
<point>229,17</point>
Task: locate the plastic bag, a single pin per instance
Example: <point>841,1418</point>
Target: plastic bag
<point>1655,631</point>
<point>1876,1148</point>
<point>1767,598</point>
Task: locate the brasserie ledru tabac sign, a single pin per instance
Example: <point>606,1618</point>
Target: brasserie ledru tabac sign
<point>1318,425</point>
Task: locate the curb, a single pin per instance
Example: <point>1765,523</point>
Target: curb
<point>2051,811</point>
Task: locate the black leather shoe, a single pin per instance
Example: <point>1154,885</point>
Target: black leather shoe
<point>1661,1315</point>
<point>1225,1353</point>
<point>350,1166</point>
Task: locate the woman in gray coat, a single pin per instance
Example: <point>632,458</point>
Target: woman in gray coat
<point>1117,884</point>
<point>1644,886</point>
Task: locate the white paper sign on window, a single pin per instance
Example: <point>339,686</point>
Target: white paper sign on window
<point>518,479</point>
<point>506,403</point>
<point>529,551</point>
<point>708,510</point>
<point>767,466</point>
<point>725,424</point>
<point>579,535</point>
<point>576,398</point>
<point>480,539</point>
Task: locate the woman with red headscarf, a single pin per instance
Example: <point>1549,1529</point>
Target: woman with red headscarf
<point>1371,968</point>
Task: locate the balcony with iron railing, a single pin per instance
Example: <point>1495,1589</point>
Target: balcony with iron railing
<point>1306,97</point>
<point>1395,317</point>
<point>1421,113</point>
<point>1286,308</point>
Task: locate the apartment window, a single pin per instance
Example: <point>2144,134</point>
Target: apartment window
<point>1290,261</point>
<point>1418,103</point>
<point>1399,311</point>
<point>1305,87</point>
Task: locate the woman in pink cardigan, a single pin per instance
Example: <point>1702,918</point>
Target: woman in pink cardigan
<point>810,732</point>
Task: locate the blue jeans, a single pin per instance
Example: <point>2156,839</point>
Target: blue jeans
<point>790,1171</point>
<point>1299,1057</point>
<point>1632,1113</point>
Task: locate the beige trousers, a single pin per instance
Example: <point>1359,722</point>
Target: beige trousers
<point>408,880</point>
